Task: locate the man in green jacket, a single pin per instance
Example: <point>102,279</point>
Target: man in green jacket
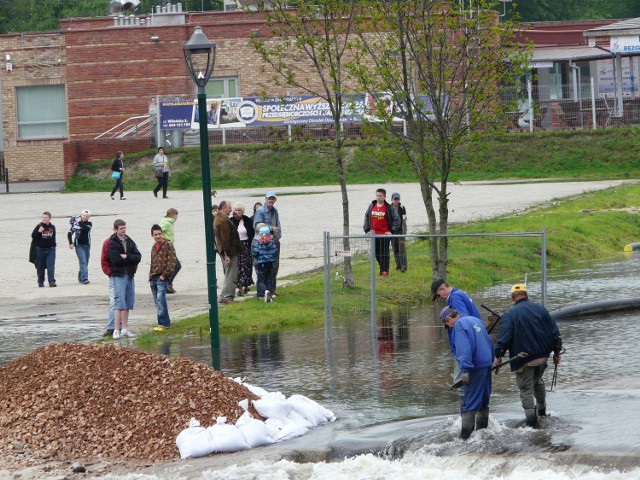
<point>167,232</point>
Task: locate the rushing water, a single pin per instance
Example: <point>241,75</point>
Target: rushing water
<point>398,418</point>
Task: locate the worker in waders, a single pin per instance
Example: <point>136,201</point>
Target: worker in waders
<point>472,347</point>
<point>527,327</point>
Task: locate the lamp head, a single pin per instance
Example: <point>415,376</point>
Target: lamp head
<point>200,57</point>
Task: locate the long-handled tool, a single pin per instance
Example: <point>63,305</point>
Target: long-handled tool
<point>497,316</point>
<point>459,383</point>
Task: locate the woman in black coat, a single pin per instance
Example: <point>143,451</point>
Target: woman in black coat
<point>118,166</point>
<point>245,262</point>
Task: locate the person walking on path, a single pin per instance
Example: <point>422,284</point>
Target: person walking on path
<point>268,214</point>
<point>263,251</point>
<point>161,169</point>
<point>381,219</point>
<point>527,327</point>
<point>124,258</point>
<point>79,237</point>
<point>163,261</point>
<point>228,246</point>
<point>167,232</point>
<point>117,167</point>
<point>473,349</point>
<point>245,262</point>
<point>106,268</point>
<point>44,237</point>
<point>399,244</point>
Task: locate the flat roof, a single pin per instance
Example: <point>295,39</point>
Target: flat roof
<point>626,27</point>
<point>582,52</point>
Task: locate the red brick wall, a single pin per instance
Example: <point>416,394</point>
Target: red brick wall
<point>76,152</point>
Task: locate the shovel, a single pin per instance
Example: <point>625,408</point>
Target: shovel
<point>459,383</point>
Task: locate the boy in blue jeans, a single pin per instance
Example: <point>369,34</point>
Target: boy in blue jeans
<point>264,250</point>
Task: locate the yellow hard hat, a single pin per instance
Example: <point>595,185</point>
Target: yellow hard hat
<point>519,287</point>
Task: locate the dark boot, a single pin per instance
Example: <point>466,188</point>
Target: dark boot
<point>482,418</point>
<point>468,424</point>
<point>542,409</point>
<point>532,419</point>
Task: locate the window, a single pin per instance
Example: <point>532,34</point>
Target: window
<point>222,87</point>
<point>42,111</point>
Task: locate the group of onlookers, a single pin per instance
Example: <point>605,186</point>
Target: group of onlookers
<point>247,243</point>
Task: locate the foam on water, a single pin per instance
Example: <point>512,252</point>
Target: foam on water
<point>418,465</point>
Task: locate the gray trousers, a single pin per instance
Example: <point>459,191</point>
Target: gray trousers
<point>230,278</point>
<point>531,385</point>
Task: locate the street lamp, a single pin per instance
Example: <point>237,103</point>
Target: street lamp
<point>200,56</point>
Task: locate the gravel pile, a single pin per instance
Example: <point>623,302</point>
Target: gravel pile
<point>71,401</point>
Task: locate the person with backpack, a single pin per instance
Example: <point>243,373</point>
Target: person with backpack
<point>79,237</point>
<point>161,167</point>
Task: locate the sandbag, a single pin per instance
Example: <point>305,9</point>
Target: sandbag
<point>194,441</point>
<point>226,438</point>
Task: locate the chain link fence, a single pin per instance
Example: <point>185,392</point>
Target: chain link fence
<point>354,288</point>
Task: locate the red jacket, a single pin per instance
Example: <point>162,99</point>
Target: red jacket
<point>104,258</point>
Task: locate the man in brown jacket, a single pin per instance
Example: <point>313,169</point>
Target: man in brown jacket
<point>228,246</point>
<point>163,262</point>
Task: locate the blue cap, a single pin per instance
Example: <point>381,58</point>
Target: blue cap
<point>395,195</point>
<point>446,313</point>
<point>271,194</point>
<point>264,230</point>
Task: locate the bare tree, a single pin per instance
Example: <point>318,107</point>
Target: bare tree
<point>445,68</point>
<point>307,50</point>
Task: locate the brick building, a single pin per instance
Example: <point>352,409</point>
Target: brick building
<point>98,72</point>
<point>61,90</point>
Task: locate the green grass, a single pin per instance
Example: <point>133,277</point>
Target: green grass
<point>576,154</point>
<point>583,228</point>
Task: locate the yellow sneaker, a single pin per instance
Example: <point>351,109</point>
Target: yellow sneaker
<point>160,329</point>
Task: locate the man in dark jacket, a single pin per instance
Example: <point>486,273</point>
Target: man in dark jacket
<point>382,219</point>
<point>124,258</point>
<point>228,246</point>
<point>44,237</point>
<point>527,327</point>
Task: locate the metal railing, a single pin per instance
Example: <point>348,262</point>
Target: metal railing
<point>134,127</point>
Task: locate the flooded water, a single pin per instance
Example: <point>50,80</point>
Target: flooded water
<point>397,416</point>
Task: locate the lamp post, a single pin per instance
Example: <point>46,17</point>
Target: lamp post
<point>200,56</point>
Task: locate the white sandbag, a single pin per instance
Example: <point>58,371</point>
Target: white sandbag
<point>255,433</point>
<point>298,419</point>
<point>311,410</point>
<point>194,442</point>
<point>246,417</point>
<point>227,438</point>
<point>286,430</point>
<point>272,408</point>
<point>244,404</point>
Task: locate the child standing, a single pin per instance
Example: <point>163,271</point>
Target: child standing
<point>263,250</point>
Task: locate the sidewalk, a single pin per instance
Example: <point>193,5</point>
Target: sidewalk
<point>305,212</point>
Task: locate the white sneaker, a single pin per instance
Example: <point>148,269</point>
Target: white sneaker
<point>267,296</point>
<point>116,334</point>
<point>126,333</point>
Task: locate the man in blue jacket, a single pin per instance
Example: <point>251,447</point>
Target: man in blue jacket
<point>528,327</point>
<point>462,302</point>
<point>472,347</point>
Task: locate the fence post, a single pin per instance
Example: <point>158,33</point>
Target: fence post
<point>327,287</point>
<point>530,97</point>
<point>543,256</point>
<point>593,104</point>
<point>372,281</point>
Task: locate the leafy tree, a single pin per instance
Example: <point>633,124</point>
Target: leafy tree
<point>308,52</point>
<point>445,70</point>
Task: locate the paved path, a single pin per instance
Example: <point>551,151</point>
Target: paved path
<point>306,212</point>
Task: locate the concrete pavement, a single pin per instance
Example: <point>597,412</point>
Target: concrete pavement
<point>305,212</point>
